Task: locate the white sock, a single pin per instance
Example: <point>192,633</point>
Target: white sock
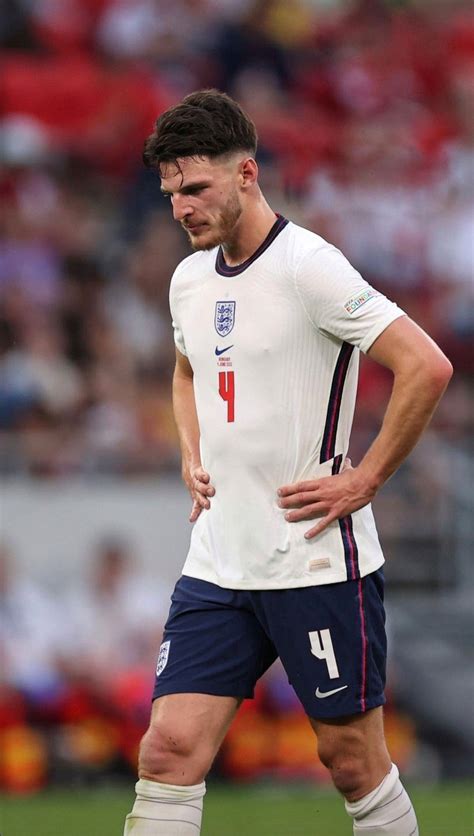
<point>386,811</point>
<point>165,810</point>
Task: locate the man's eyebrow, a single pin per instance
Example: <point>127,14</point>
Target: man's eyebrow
<point>200,184</point>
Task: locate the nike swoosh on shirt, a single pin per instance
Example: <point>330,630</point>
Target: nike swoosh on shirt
<point>323,694</point>
<point>220,351</point>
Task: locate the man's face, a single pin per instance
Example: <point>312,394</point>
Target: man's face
<point>205,198</point>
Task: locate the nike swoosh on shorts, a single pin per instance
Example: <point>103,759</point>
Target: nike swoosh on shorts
<point>323,694</point>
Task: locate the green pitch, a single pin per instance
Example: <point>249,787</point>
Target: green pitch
<point>272,811</point>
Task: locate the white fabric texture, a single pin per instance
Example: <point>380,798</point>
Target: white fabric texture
<point>283,335</point>
<point>386,811</point>
<point>165,810</point>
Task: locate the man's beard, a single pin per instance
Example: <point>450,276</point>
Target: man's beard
<point>226,226</point>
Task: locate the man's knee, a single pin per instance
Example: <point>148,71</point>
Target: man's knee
<point>349,775</point>
<point>353,767</point>
<point>172,756</point>
<point>355,752</point>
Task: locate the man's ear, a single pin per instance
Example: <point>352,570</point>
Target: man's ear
<point>248,172</point>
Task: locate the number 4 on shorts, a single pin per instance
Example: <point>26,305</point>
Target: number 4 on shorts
<point>321,647</point>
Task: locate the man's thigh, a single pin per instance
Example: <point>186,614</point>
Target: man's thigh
<point>213,643</point>
<point>331,641</point>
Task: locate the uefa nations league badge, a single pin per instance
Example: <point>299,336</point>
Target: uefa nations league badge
<point>224,318</point>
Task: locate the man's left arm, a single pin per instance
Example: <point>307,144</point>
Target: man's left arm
<point>421,373</point>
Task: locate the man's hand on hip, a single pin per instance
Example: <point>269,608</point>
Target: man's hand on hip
<point>329,498</point>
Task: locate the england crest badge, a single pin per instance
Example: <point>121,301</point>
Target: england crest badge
<point>163,657</point>
<point>224,318</point>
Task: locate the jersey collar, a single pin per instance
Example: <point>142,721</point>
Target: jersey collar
<point>224,270</point>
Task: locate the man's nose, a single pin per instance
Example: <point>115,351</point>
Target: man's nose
<point>181,207</point>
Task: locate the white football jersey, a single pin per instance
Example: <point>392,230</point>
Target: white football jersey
<point>274,346</point>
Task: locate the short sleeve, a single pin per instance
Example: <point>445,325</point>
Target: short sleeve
<point>174,308</point>
<point>178,338</point>
<point>339,302</point>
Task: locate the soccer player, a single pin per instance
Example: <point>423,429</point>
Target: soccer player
<point>284,558</point>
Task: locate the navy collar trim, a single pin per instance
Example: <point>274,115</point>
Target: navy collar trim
<point>224,270</point>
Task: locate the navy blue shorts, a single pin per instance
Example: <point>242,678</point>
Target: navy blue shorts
<point>330,639</point>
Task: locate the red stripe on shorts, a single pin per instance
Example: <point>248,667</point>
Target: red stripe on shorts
<point>364,647</point>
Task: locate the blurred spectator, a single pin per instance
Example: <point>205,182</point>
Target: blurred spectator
<point>115,617</point>
<point>38,367</point>
<point>137,304</point>
<point>76,669</point>
<point>30,634</point>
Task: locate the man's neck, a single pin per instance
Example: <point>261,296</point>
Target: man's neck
<point>251,230</point>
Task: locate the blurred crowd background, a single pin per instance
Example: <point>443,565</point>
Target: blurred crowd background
<point>365,114</point>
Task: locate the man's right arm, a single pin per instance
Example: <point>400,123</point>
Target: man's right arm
<point>184,406</point>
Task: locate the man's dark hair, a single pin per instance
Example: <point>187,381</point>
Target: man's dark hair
<point>207,123</point>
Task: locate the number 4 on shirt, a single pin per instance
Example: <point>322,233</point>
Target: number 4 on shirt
<point>227,393</point>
